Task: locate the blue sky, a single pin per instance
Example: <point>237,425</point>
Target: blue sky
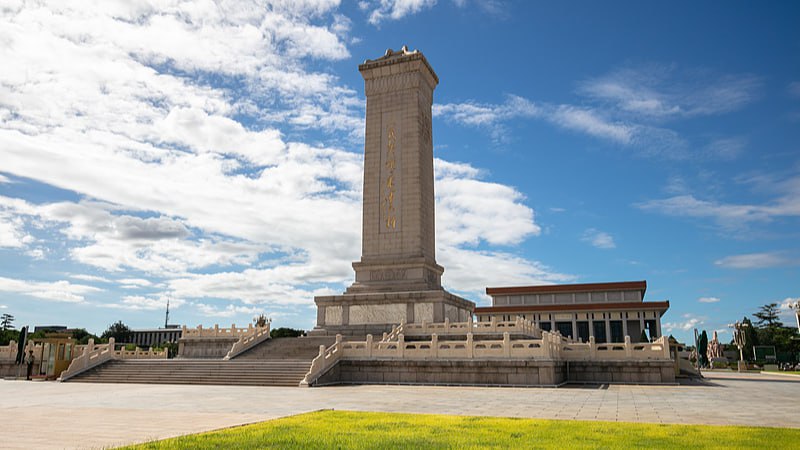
<point>211,153</point>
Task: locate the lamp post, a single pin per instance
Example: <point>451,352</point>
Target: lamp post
<point>738,338</point>
<point>796,307</point>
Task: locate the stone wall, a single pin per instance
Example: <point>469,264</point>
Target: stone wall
<point>498,373</point>
<point>205,348</point>
<point>9,370</point>
<point>458,372</point>
<point>645,372</point>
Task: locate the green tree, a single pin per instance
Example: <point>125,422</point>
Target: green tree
<point>702,348</point>
<point>82,336</point>
<point>7,336</point>
<point>768,316</point>
<point>643,337</point>
<point>119,331</point>
<point>7,322</point>
<point>285,332</point>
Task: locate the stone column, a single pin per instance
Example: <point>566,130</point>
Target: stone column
<point>658,324</point>
<point>574,327</point>
<point>641,320</point>
<point>608,329</point>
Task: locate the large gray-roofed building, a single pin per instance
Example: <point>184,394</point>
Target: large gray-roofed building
<point>607,311</point>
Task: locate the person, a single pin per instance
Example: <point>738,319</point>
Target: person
<point>29,360</point>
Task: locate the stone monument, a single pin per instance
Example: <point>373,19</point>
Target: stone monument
<point>397,279</point>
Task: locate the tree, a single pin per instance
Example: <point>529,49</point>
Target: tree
<point>768,316</point>
<point>702,349</point>
<point>119,331</point>
<point>7,336</point>
<point>285,332</point>
<point>7,321</point>
<point>260,320</point>
<point>643,337</point>
<point>750,338</point>
<point>82,336</point>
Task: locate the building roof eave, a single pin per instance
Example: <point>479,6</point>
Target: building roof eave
<point>662,306</point>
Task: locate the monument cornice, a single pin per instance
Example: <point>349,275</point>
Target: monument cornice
<point>396,57</point>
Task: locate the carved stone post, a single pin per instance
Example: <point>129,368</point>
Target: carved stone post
<point>470,348</point>
<point>401,345</point>
<point>434,345</point>
<point>628,347</point>
<point>369,346</point>
<point>592,348</point>
<point>506,345</point>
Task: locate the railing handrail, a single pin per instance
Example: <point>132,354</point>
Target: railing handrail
<point>248,341</point>
<point>217,331</point>
<point>326,359</point>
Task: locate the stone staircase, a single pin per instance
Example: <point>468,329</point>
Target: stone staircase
<point>285,372</point>
<point>305,348</point>
<point>274,362</point>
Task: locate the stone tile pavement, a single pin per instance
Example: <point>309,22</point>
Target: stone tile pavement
<point>78,415</point>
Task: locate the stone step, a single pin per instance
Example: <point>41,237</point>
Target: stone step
<point>305,348</point>
<point>246,373</point>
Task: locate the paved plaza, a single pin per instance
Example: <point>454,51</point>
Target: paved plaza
<point>80,415</point>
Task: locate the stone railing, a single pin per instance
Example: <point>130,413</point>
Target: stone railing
<point>92,356</point>
<point>139,353</point>
<point>217,332</point>
<point>447,328</point>
<point>447,349</point>
<point>95,354</point>
<point>249,341</point>
<point>326,359</point>
<point>551,346</point>
<point>9,352</point>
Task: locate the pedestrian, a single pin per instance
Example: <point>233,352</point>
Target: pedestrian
<point>29,360</point>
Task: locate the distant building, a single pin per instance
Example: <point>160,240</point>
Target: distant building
<point>51,328</point>
<point>151,337</point>
<point>607,311</point>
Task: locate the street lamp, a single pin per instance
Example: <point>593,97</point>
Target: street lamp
<point>738,338</point>
<point>796,307</point>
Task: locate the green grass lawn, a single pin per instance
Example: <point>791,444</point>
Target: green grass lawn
<point>344,429</point>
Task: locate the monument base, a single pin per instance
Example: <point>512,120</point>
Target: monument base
<point>375,313</point>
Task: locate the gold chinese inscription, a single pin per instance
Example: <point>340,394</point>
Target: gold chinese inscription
<point>390,217</point>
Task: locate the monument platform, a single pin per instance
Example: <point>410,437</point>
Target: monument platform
<point>376,312</point>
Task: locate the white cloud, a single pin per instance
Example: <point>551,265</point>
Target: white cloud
<point>229,311</point>
<point>145,303</point>
<point>690,322</point>
<point>588,121</point>
<point>598,239</point>
<point>627,108</point>
<point>754,261</point>
<point>784,202</point>
<point>382,10</point>
<point>132,107</point>
<point>93,278</point>
<point>59,291</point>
<point>708,299</point>
<point>665,91</point>
<point>488,116</point>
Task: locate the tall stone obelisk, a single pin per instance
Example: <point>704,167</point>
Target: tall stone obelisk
<point>397,279</point>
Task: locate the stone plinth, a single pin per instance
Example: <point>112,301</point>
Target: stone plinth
<point>374,313</point>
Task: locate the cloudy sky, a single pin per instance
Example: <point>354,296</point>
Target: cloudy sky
<point>210,153</point>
